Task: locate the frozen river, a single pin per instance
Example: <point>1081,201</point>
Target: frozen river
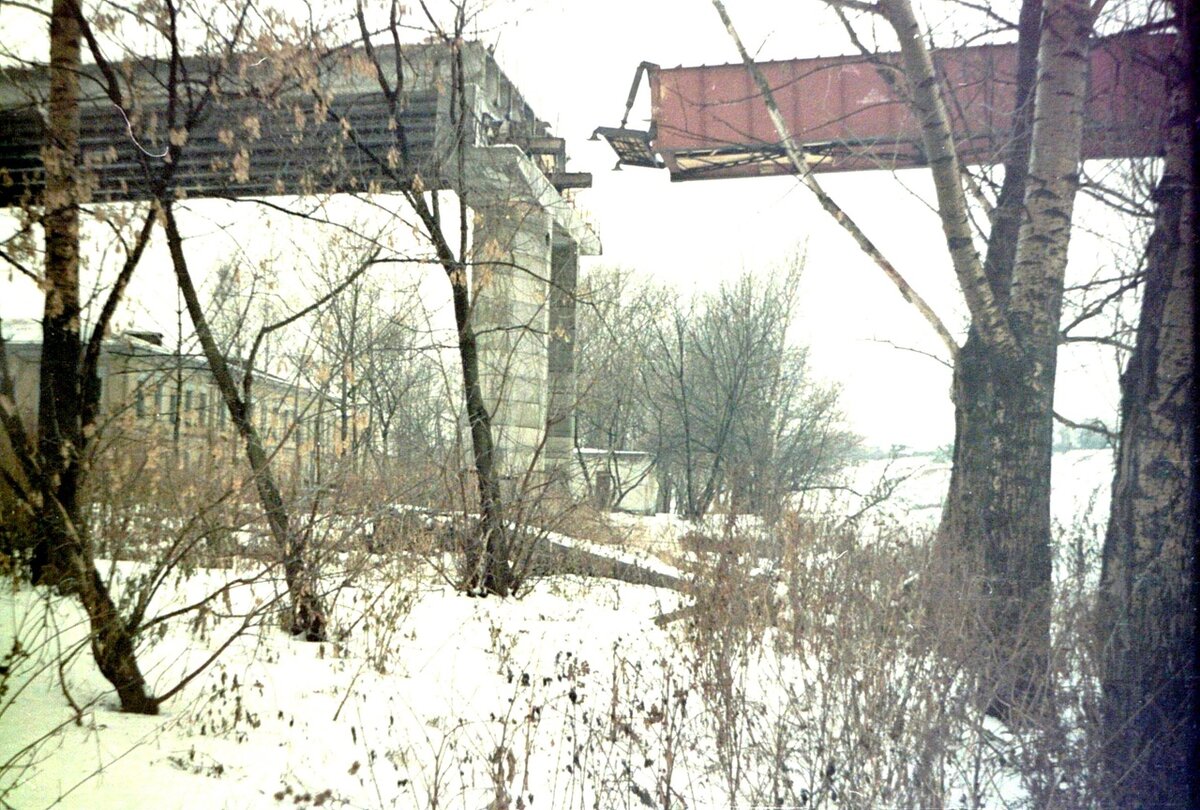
<point>1082,482</point>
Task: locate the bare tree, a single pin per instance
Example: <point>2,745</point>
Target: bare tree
<point>344,332</point>
<point>375,351</point>
<point>187,103</point>
<point>740,421</point>
<point>468,268</point>
<point>615,314</point>
<point>997,516</point>
<point>793,442</point>
<point>410,411</point>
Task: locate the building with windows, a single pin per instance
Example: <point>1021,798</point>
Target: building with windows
<point>166,404</point>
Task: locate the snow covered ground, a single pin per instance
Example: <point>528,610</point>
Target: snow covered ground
<point>409,710</point>
<point>569,697</point>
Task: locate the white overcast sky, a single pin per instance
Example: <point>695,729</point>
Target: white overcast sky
<point>574,62</point>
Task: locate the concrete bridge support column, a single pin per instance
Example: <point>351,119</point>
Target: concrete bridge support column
<point>525,261</point>
<point>560,411</point>
<point>511,269</point>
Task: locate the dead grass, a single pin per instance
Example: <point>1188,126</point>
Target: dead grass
<point>838,672</point>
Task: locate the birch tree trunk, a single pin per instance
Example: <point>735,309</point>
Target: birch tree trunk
<point>1017,553</point>
<point>1147,599</point>
<point>997,518</point>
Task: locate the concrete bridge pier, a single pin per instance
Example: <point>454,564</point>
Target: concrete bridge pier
<point>560,356</point>
<point>526,245</point>
<point>510,276</point>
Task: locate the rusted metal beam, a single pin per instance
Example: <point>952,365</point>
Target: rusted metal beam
<point>710,121</point>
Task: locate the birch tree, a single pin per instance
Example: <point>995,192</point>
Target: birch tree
<point>996,525</point>
<point>1147,588</point>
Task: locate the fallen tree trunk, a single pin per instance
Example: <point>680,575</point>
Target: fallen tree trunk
<point>543,557</point>
<point>549,558</point>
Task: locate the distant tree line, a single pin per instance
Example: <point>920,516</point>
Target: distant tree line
<point>712,386</point>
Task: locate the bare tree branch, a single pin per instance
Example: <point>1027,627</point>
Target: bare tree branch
<point>312,307</point>
<point>1102,340</point>
<point>938,136</point>
<point>903,348</point>
<point>1094,427</point>
<point>986,10</point>
<point>799,160</point>
<point>91,356</point>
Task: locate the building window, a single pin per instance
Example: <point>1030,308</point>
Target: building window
<point>187,407</point>
<point>202,409</point>
<point>158,400</point>
<point>140,402</point>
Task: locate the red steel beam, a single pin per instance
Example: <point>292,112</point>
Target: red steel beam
<point>709,122</point>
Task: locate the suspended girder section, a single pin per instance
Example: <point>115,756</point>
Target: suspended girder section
<point>709,122</point>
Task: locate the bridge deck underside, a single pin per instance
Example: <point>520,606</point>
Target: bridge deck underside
<point>238,148</point>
